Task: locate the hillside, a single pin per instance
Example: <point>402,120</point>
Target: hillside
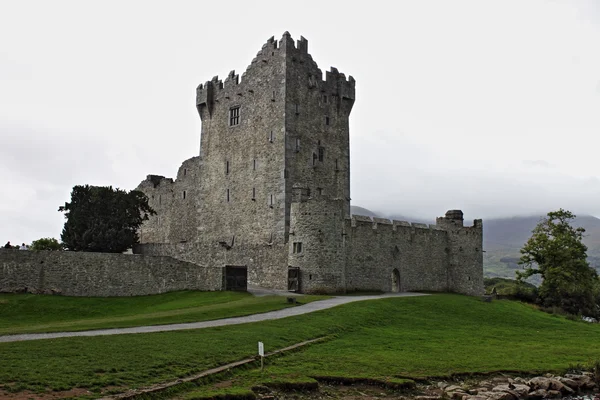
<point>504,237</point>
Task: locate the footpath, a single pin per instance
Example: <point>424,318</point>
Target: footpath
<point>271,315</point>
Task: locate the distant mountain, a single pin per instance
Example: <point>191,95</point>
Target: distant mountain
<point>356,210</point>
<point>504,237</point>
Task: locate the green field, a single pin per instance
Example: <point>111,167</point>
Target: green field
<point>27,313</point>
<point>433,335</point>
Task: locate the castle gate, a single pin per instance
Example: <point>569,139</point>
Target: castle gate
<point>395,280</point>
<point>236,277</point>
<point>293,279</point>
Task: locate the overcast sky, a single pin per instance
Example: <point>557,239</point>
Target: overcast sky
<point>492,107</point>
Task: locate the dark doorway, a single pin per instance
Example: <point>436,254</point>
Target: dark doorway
<point>236,278</point>
<point>395,280</point>
<point>293,279</point>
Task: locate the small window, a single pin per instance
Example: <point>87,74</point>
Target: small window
<point>273,98</point>
<point>227,167</point>
<point>321,154</point>
<point>253,193</point>
<point>271,137</point>
<point>184,193</point>
<point>297,144</point>
<point>297,248</point>
<point>184,171</point>
<point>324,98</point>
<point>315,157</point>
<point>160,199</point>
<point>228,195</point>
<point>320,191</point>
<point>254,164</point>
<point>234,116</point>
<point>326,120</point>
<point>297,109</point>
<point>336,165</point>
<point>271,201</point>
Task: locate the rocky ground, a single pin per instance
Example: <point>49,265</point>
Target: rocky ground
<point>569,386</point>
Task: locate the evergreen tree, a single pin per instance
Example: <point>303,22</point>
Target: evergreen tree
<point>103,219</point>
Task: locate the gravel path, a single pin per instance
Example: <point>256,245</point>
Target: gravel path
<point>286,312</point>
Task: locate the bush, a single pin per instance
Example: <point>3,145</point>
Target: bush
<point>46,244</point>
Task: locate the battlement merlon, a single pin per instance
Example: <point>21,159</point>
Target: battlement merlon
<point>154,181</point>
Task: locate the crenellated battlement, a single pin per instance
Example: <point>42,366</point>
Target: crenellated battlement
<point>383,223</point>
<point>272,54</point>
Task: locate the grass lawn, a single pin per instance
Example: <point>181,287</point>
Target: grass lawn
<point>383,339</point>
<point>28,313</point>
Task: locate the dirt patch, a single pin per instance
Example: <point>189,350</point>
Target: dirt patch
<point>28,395</point>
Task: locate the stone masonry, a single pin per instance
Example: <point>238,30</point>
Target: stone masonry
<point>270,191</point>
<point>73,273</point>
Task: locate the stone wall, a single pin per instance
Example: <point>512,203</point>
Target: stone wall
<point>101,274</point>
<point>374,248</point>
<point>266,263</point>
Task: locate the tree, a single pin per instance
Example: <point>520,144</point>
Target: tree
<point>556,252</point>
<point>46,244</point>
<point>103,219</point>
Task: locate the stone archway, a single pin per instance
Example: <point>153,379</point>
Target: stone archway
<point>395,280</point>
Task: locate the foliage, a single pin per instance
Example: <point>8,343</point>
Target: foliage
<point>46,244</point>
<point>30,313</point>
<point>556,252</point>
<point>510,288</point>
<point>103,219</point>
<point>433,335</point>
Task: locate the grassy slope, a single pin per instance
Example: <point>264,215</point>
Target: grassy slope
<point>26,313</point>
<point>433,335</point>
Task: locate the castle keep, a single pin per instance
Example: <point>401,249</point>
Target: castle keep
<point>269,194</point>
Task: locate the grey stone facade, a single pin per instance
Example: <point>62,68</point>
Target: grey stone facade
<point>101,274</point>
<point>270,190</point>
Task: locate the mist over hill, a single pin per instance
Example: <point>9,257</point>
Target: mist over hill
<point>504,237</point>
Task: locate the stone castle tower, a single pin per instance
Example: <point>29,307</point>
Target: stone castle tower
<point>270,189</point>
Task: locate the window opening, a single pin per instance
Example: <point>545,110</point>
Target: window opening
<point>184,171</point>
<point>326,120</point>
<point>271,201</point>
<point>321,154</point>
<point>253,193</point>
<point>297,144</point>
<point>184,193</point>
<point>228,195</point>
<point>297,109</point>
<point>320,191</point>
<point>314,158</point>
<point>227,167</point>
<point>297,248</point>
<point>336,164</point>
<point>324,98</point>
<point>271,137</point>
<point>234,116</point>
<point>254,165</point>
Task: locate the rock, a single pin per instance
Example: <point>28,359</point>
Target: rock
<point>442,385</point>
<point>520,380</point>
<point>539,382</point>
<point>427,398</point>
<point>452,388</point>
<point>500,396</point>
<point>473,392</point>
<point>458,395</point>
<point>538,394</point>
<point>482,390</point>
<point>570,383</point>
<point>518,390</point>
<point>555,384</point>
<point>476,398</point>
<point>554,394</point>
<point>487,384</point>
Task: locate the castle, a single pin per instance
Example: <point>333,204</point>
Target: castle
<point>268,197</point>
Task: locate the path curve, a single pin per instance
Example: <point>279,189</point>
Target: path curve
<point>283,313</point>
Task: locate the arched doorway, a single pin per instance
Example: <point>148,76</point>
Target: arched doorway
<point>395,280</point>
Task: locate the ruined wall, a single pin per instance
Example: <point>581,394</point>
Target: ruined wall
<point>266,263</point>
<point>175,203</point>
<point>101,274</point>
<point>374,248</point>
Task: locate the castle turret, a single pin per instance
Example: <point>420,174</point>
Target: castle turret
<point>465,253</point>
